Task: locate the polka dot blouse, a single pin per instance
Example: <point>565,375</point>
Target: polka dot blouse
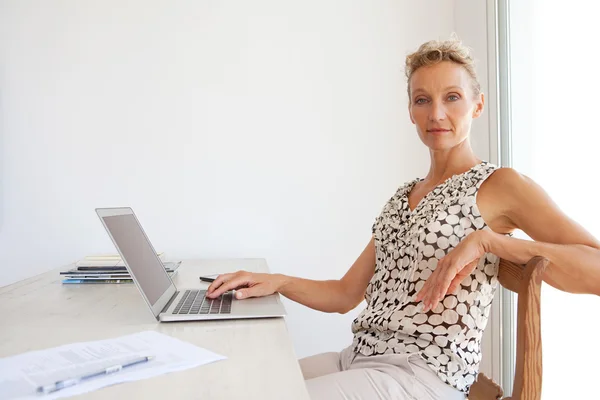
<point>408,247</point>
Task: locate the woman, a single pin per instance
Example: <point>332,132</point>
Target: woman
<point>429,273</point>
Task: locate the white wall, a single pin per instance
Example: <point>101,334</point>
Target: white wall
<point>234,129</point>
<point>470,25</point>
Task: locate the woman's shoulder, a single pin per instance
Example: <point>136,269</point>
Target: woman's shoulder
<point>497,196</point>
<point>503,179</point>
<point>406,187</point>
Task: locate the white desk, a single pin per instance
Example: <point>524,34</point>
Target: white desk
<point>41,312</point>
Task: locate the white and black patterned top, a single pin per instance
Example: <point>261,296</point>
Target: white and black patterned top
<point>408,247</point>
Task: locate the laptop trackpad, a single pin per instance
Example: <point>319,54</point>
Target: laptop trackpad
<point>267,306</point>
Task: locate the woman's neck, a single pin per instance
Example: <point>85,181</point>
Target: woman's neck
<point>445,164</point>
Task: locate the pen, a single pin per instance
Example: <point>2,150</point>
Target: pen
<point>206,279</point>
<point>65,383</point>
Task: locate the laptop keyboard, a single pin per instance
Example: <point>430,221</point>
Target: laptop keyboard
<point>196,302</point>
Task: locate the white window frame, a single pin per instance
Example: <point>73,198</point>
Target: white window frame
<point>503,315</point>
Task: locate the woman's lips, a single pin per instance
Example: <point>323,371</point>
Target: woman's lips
<point>438,131</point>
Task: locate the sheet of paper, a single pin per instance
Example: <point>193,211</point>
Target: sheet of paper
<point>22,374</point>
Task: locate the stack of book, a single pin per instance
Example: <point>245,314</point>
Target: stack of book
<point>106,269</point>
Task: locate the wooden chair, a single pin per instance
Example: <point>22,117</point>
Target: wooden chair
<point>526,281</point>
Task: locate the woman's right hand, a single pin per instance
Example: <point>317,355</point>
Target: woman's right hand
<point>247,284</point>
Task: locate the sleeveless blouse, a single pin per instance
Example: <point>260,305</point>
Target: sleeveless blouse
<point>408,246</point>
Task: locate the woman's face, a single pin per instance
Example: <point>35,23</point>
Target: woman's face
<point>442,104</point>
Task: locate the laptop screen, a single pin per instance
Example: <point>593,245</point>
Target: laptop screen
<point>139,255</point>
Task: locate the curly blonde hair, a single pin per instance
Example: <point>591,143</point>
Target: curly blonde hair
<point>435,51</point>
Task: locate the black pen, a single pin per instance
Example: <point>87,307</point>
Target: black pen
<point>205,279</point>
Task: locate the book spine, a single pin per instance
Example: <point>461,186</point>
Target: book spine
<point>104,277</point>
<point>70,281</point>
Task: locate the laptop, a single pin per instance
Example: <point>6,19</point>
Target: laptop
<point>165,300</point>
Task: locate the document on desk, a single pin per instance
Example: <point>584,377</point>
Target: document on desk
<point>21,375</point>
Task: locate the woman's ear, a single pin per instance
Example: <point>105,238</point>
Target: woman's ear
<point>479,105</point>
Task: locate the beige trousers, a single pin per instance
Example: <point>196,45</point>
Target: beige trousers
<point>347,375</point>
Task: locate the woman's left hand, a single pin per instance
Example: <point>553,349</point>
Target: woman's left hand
<point>452,270</point>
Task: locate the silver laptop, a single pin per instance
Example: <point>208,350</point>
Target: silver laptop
<point>167,302</point>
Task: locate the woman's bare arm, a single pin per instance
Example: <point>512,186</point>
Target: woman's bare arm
<point>338,296</point>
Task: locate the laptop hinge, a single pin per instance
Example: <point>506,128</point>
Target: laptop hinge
<point>170,301</point>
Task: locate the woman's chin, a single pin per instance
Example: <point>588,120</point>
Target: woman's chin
<point>440,144</point>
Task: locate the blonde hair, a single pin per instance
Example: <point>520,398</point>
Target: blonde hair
<point>435,51</point>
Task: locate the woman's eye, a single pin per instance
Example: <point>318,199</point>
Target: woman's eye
<point>453,97</point>
<point>420,101</point>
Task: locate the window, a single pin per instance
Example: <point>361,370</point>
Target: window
<point>555,139</point>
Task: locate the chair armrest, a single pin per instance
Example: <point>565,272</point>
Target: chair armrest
<point>526,281</point>
<point>485,389</point>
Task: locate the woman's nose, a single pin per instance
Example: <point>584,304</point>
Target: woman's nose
<point>437,112</point>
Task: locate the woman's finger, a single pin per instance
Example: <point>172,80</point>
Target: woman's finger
<point>230,284</point>
<point>458,279</point>
<point>438,294</point>
<point>422,294</point>
<point>424,289</point>
<point>438,282</point>
<point>425,293</point>
<point>444,284</point>
<point>452,289</point>
<point>218,282</point>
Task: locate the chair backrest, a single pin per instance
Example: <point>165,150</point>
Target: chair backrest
<point>526,281</point>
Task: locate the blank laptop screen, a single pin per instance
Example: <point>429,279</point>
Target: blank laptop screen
<point>139,255</point>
